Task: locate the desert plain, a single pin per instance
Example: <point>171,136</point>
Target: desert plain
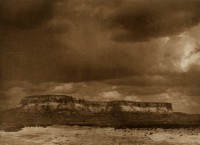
<point>83,135</point>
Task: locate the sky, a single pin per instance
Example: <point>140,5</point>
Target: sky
<point>100,50</point>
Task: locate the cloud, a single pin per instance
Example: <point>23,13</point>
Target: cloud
<point>142,20</point>
<point>25,14</point>
<point>132,98</point>
<point>194,52</point>
<point>110,96</point>
<point>73,45</point>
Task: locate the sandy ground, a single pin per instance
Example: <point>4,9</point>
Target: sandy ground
<point>74,135</point>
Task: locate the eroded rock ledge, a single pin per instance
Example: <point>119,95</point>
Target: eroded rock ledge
<point>63,102</point>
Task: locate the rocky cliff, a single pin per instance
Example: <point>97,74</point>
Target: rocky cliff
<point>62,102</point>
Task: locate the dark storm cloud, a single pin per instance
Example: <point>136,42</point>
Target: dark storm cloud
<point>28,40</point>
<point>71,46</point>
<point>28,55</point>
<point>25,14</point>
<point>141,20</point>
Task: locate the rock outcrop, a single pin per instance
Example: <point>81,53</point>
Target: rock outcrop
<point>62,102</point>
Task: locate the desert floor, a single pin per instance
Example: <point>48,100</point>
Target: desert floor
<point>75,135</point>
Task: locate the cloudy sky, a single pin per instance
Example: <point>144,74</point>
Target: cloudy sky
<point>138,50</point>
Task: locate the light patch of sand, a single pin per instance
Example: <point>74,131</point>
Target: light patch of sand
<point>189,139</point>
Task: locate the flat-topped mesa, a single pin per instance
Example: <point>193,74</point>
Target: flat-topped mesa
<point>157,107</point>
<point>68,103</point>
<point>37,99</point>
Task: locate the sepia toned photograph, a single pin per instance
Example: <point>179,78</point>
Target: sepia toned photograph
<point>99,72</point>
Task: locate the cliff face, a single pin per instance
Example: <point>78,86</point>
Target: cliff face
<point>70,104</point>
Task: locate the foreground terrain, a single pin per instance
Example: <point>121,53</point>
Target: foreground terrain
<point>33,123</point>
<point>75,135</point>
